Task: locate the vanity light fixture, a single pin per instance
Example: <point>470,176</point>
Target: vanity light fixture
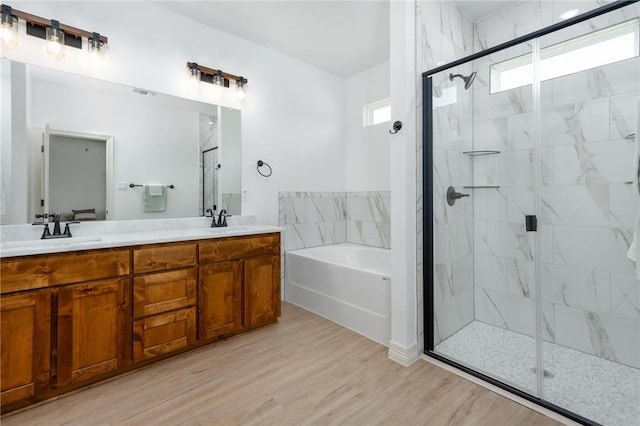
<point>220,79</point>
<point>8,26</point>
<point>55,39</point>
<point>57,35</point>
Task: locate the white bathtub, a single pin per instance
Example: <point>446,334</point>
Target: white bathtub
<point>346,283</point>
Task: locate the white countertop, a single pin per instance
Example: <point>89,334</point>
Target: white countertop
<point>129,238</point>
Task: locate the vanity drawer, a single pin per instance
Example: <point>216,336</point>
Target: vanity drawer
<point>30,272</point>
<point>163,256</point>
<point>164,291</point>
<point>223,249</point>
<point>162,334</point>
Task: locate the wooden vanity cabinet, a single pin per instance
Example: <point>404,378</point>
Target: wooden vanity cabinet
<point>26,336</point>
<point>239,284</point>
<point>94,329</point>
<point>70,319</point>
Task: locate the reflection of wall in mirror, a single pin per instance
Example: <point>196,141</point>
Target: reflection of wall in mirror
<point>13,150</point>
<point>232,202</point>
<point>156,139</point>
<point>230,173</point>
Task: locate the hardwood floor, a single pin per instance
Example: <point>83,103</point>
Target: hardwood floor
<point>303,370</point>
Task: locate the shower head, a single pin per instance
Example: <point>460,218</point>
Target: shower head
<point>468,81</point>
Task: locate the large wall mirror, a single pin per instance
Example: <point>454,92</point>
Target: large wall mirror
<point>73,145</point>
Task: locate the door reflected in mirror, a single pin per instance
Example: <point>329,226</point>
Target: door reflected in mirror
<point>77,175</point>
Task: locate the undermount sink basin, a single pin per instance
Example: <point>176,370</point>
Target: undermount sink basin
<point>55,242</point>
<point>229,229</point>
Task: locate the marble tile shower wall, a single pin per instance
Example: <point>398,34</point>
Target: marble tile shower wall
<point>591,298</point>
<point>314,219</point>
<point>444,34</point>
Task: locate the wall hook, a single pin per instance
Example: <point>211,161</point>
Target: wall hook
<point>396,127</point>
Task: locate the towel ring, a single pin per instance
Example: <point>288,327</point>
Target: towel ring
<point>262,163</point>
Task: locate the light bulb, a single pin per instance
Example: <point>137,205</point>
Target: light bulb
<point>569,14</point>
<point>218,79</point>
<point>194,73</point>
<point>95,48</point>
<point>8,27</point>
<point>241,94</point>
<point>55,39</point>
<point>194,78</point>
<point>7,35</point>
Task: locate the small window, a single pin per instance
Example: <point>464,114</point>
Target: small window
<point>376,112</point>
<point>602,47</point>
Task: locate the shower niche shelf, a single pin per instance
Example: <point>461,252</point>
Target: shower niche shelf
<point>481,152</point>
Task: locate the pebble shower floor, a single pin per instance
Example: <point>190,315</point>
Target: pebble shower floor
<point>601,390</point>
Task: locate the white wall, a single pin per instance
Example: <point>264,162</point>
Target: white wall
<point>230,152</point>
<point>367,148</point>
<point>294,117</point>
<point>5,135</point>
<point>14,199</point>
<point>403,346</point>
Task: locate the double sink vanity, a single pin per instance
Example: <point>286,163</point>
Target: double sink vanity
<point>134,284</point>
<point>122,295</point>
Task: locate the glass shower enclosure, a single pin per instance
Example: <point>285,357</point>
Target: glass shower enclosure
<point>531,215</point>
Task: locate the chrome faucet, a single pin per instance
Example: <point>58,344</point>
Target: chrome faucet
<point>222,219</point>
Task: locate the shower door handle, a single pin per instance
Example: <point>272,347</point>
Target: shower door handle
<point>531,223</point>
<point>452,195</point>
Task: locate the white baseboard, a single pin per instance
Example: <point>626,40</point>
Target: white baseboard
<point>522,401</point>
<point>403,355</point>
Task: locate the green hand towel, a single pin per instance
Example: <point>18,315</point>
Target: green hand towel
<point>154,203</point>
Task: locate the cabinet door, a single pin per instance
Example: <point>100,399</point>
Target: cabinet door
<point>94,329</point>
<point>220,299</point>
<point>261,290</point>
<point>26,342</point>
<point>164,333</point>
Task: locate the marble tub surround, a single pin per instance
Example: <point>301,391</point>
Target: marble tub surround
<point>314,219</point>
<point>126,233</point>
<point>368,216</point>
